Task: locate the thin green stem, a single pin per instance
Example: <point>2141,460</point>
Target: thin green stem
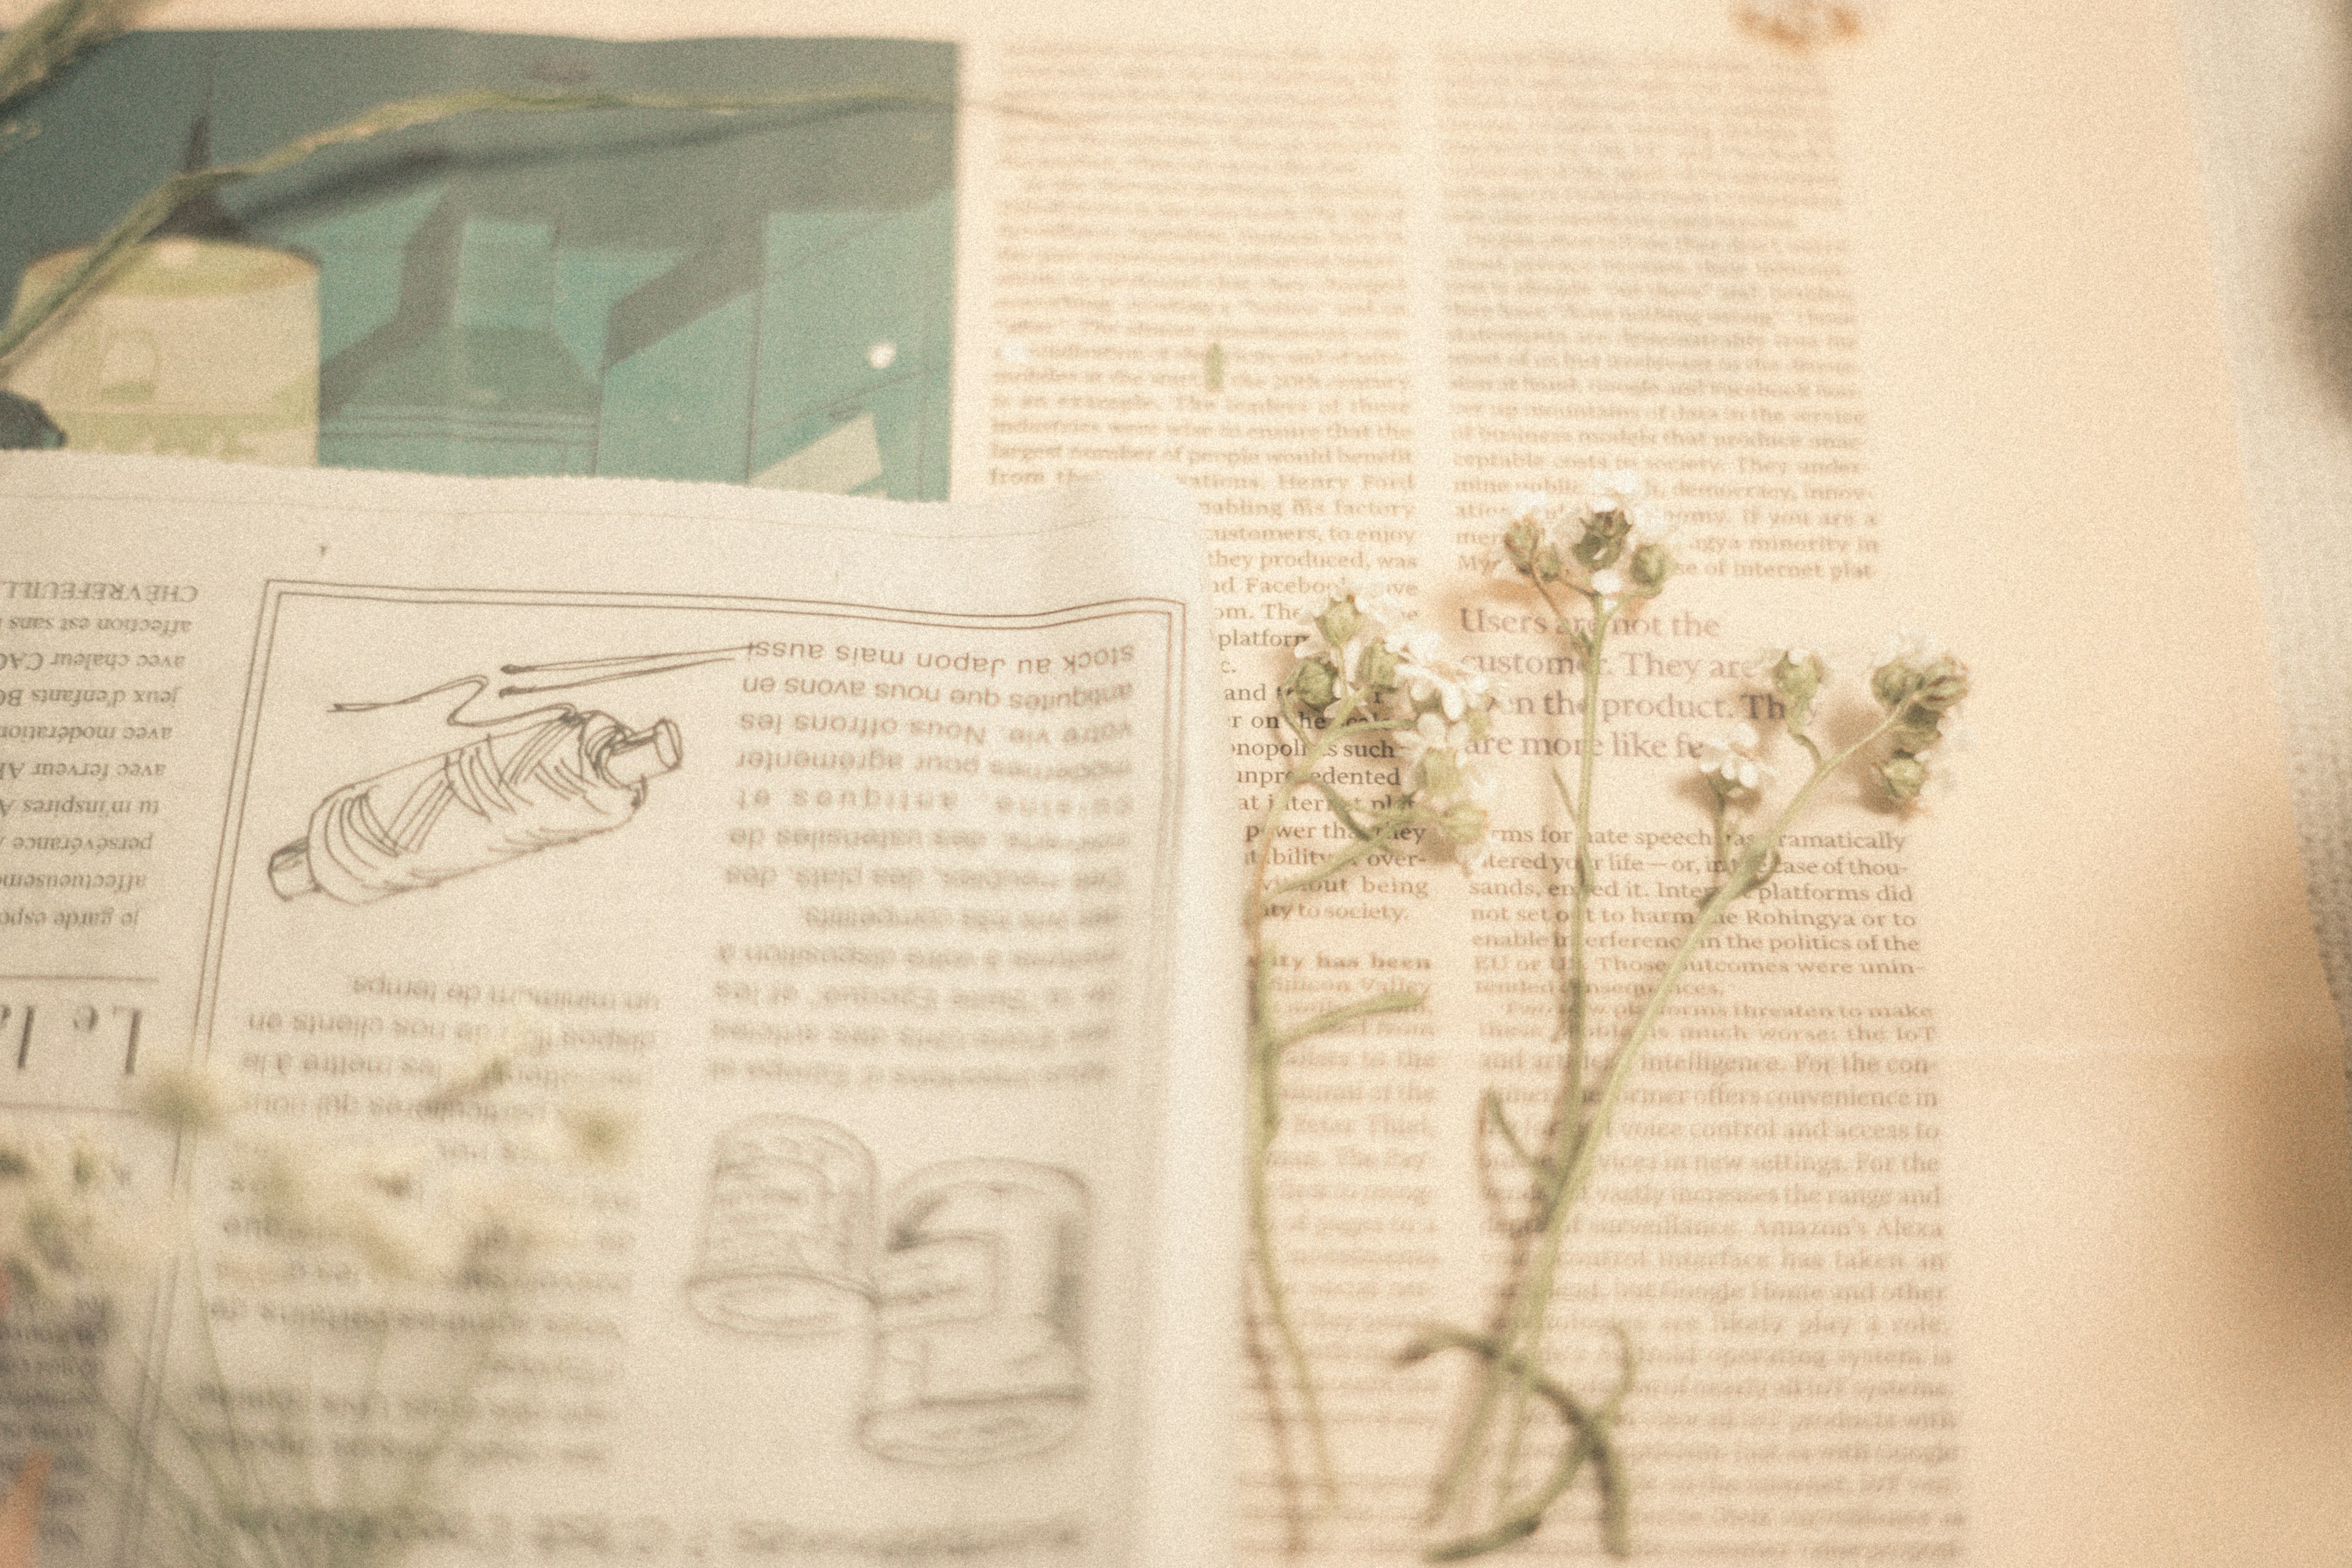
<point>1340,860</point>
<point>1531,1297</point>
<point>1469,1447</point>
<point>1757,853</point>
<point>1590,1440</point>
<point>1267,1042</point>
<point>379,1346</point>
<point>46,42</point>
<point>185,1510</point>
<point>1332,1018</point>
<point>152,1471</point>
<point>1265,1123</point>
<point>241,1453</point>
<point>1490,1106</point>
<point>1566,1132</point>
<point>1341,807</point>
<point>113,250</point>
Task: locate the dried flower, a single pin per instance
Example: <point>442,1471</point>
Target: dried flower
<point>598,1133</point>
<point>1729,764</point>
<point>1795,675</point>
<point>184,1100</point>
<point>63,1223</point>
<point>1649,567</point>
<point>1922,686</point>
<point>1608,490</point>
<point>1903,775</point>
<point>339,1195</point>
<point>1315,683</point>
<point>1621,541</point>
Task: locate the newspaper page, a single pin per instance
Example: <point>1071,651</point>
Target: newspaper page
<point>1997,1136</point>
<point>1941,1138</point>
<point>823,868</point>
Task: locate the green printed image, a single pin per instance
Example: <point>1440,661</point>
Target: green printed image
<point>761,298</point>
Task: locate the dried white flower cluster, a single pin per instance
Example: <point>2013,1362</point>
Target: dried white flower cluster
<point>63,1223</point>
<point>1916,684</point>
<point>1921,687</point>
<point>1730,765</point>
<point>64,1207</point>
<point>1613,548</point>
<point>1364,660</point>
<point>372,1204</point>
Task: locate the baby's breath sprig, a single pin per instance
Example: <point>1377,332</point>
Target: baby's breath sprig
<point>1363,670</point>
<point>1613,552</point>
<point>63,1223</point>
<point>222,1484</point>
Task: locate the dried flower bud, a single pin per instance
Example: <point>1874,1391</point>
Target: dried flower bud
<point>1894,681</point>
<point>1903,775</point>
<point>1603,540</point>
<point>1464,822</point>
<point>597,1132</point>
<point>1917,729</point>
<point>1911,666</point>
<point>1943,683</point>
<point>183,1099</point>
<point>1312,684</point>
<point>1339,621</point>
<point>1376,670</point>
<point>1796,675</point>
<point>1650,566</point>
<point>1522,542</point>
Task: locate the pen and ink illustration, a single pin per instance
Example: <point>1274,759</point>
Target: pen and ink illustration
<point>508,794</point>
<point>762,299</point>
<point>547,775</point>
<point>788,1240</point>
<point>978,1320</point>
<point>973,1300</point>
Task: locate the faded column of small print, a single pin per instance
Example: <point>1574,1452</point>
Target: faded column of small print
<point>1578,334</point>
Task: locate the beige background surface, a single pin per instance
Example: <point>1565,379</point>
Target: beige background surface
<point>2270,88</point>
<point>2149,1166</point>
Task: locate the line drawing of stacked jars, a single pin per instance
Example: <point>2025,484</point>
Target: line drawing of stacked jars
<point>971,1287</point>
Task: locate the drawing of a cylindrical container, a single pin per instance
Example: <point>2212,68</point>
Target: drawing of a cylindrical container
<point>978,1329</point>
<point>505,795</point>
<point>788,1240</point>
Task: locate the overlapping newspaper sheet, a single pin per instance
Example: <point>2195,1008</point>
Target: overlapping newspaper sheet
<point>841,859</point>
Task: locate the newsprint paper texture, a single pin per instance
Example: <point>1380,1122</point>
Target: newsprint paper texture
<point>1984,1199</point>
<point>858,852</point>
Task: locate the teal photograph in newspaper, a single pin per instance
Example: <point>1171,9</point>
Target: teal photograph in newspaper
<point>758,298</point>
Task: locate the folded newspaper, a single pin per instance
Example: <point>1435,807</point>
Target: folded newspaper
<point>691,981</point>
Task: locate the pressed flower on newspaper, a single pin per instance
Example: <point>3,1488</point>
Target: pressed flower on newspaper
<point>324,1428</point>
<point>1366,676</point>
<point>1612,550</point>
